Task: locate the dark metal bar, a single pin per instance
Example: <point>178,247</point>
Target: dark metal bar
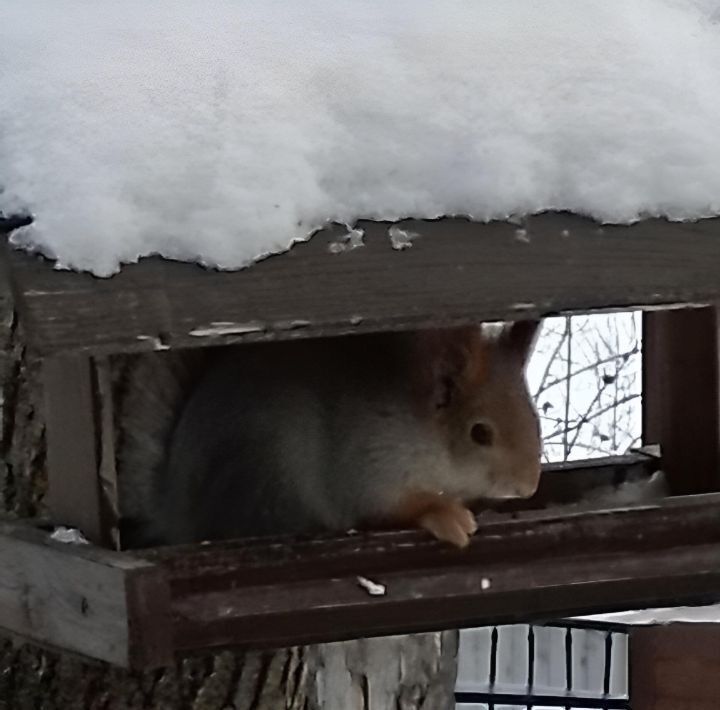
<point>568,659</point>
<point>607,671</point>
<point>531,662</point>
<point>531,656</point>
<point>561,701</point>
<point>493,655</point>
<point>681,396</point>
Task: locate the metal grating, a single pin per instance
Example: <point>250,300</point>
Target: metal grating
<point>558,666</point>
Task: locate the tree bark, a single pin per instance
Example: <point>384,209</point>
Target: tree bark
<point>399,673</point>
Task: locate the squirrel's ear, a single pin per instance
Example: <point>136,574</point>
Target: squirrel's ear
<point>452,357</point>
<point>447,363</point>
<point>465,359</point>
<point>519,338</point>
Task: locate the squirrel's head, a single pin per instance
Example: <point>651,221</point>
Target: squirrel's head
<point>481,404</point>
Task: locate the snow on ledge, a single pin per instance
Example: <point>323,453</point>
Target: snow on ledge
<point>709,614</point>
<point>220,131</point>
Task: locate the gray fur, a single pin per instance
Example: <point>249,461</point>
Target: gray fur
<point>276,439</point>
<point>293,437</point>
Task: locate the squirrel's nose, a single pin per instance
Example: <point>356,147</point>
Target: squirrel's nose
<point>522,488</point>
<point>526,487</point>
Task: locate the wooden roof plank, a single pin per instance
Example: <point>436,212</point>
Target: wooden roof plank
<point>455,271</point>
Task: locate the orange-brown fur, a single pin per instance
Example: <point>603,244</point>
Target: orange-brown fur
<point>345,432</point>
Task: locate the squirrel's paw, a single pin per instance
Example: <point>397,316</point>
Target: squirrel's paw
<point>449,520</point>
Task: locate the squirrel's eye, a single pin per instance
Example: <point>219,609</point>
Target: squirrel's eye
<point>482,434</point>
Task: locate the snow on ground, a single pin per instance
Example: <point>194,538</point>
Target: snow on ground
<point>224,130</point>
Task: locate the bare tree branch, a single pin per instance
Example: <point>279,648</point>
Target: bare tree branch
<point>588,368</point>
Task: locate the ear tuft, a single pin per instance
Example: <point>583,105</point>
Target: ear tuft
<point>519,338</point>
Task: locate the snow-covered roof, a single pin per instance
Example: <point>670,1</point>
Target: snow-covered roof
<point>222,131</point>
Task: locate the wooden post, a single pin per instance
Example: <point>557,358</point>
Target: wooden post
<point>681,396</point>
<point>675,667</point>
<point>75,447</point>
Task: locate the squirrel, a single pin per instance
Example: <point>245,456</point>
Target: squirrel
<point>383,430</point>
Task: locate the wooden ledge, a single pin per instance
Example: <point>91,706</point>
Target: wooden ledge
<point>105,605</point>
<point>535,566</point>
<point>141,608</point>
<point>456,271</point>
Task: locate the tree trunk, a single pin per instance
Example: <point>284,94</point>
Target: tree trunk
<point>399,673</point>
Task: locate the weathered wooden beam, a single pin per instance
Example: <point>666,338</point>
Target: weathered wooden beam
<point>455,271</point>
<point>107,458</point>
<point>79,598</point>
<point>533,566</point>
<point>80,437</point>
<point>138,609</point>
<point>675,667</point>
<point>681,396</point>
<point>74,494</point>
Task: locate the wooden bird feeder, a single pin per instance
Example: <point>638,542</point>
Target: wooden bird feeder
<point>138,609</point>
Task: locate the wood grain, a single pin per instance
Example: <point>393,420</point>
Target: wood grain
<point>137,609</point>
<point>80,598</point>
<point>675,667</point>
<point>530,566</point>
<point>74,497</point>
<point>455,272</point>
<point>681,396</point>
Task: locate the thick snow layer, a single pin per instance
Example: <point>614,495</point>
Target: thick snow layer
<point>221,130</point>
